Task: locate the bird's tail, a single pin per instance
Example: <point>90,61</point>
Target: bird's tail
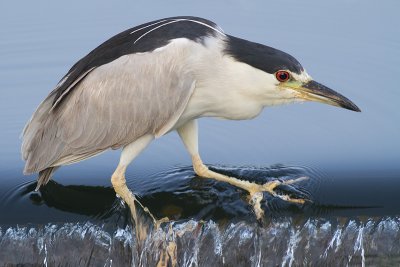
<point>45,176</point>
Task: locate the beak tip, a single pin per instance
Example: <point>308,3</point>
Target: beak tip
<point>352,107</point>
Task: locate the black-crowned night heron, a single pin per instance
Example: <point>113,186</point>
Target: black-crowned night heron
<point>159,77</point>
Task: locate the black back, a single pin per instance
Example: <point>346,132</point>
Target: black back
<point>124,44</point>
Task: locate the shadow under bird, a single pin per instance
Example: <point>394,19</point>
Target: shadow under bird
<point>159,77</point>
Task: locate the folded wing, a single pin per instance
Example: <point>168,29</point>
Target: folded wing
<point>110,106</point>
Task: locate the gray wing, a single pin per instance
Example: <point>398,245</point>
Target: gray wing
<point>110,106</point>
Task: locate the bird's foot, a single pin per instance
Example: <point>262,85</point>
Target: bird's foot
<point>256,194</point>
<point>255,190</point>
<point>143,219</point>
<point>156,222</point>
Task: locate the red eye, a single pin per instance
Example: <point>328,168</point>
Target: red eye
<point>282,75</point>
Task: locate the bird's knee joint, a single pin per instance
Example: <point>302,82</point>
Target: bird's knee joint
<point>118,177</point>
<point>118,181</point>
<point>201,169</point>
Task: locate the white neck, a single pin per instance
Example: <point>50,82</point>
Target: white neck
<point>226,88</point>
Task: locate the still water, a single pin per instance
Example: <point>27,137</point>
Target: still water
<point>352,159</point>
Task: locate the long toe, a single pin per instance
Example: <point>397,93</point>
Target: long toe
<point>290,192</point>
<point>255,202</point>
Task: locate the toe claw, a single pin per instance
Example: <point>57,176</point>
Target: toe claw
<point>292,181</point>
<point>293,200</point>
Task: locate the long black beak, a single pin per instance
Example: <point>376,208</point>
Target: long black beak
<point>317,92</point>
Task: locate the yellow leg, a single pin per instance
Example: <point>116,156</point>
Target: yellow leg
<point>189,135</point>
<point>119,183</point>
<point>255,190</point>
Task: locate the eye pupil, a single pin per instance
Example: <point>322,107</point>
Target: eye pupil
<point>282,76</point>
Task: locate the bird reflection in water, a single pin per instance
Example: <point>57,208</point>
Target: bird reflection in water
<point>180,195</point>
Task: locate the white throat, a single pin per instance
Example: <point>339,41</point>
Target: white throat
<point>229,89</point>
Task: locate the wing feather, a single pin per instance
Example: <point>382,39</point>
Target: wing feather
<point>110,106</point>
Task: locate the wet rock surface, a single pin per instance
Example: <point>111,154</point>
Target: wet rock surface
<point>370,242</point>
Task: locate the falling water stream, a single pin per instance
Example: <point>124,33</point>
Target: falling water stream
<point>314,242</point>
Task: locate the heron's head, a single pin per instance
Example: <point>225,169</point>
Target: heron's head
<point>285,77</point>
